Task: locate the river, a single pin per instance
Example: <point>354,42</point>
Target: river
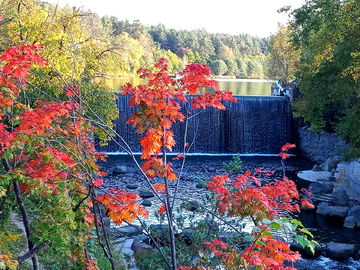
<point>243,87</point>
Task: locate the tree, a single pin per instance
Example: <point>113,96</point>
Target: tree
<point>327,33</point>
<point>225,53</point>
<point>283,57</point>
<point>218,67</point>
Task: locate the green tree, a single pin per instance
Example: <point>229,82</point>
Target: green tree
<point>328,33</point>
<point>283,57</point>
<point>218,67</point>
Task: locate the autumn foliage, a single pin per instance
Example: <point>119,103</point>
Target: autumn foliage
<point>49,160</point>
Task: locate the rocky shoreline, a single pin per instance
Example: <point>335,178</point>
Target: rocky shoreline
<point>122,173</point>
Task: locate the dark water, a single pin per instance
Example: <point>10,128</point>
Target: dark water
<point>253,125</point>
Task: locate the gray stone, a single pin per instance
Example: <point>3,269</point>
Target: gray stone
<point>320,188</point>
<point>120,170</point>
<point>132,186</point>
<point>332,211</point>
<point>355,211</point>
<point>352,222</point>
<point>340,197</point>
<point>297,265</point>
<point>130,230</point>
<point>317,168</point>
<point>332,179</point>
<point>329,164</point>
<point>145,194</point>
<point>146,203</point>
<point>211,169</point>
<point>137,245</point>
<point>192,206</point>
<point>305,251</point>
<point>339,251</point>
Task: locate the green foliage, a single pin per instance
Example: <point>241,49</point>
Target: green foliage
<point>150,259</point>
<point>327,35</point>
<point>234,166</point>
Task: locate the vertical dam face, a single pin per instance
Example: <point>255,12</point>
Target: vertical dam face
<point>253,125</point>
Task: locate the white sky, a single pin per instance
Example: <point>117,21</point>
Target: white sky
<point>254,17</point>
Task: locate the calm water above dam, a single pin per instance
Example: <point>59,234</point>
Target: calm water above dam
<point>243,87</point>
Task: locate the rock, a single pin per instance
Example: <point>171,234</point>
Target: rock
<point>332,211</point>
<point>211,169</point>
<point>329,164</point>
<point>146,203</point>
<point>317,168</point>
<point>123,245</point>
<point>340,197</point>
<point>132,186</point>
<point>160,232</point>
<point>355,211</point>
<point>353,218</point>
<point>331,178</point>
<point>120,170</point>
<point>352,222</point>
<point>297,265</point>
<point>339,251</point>
<point>130,230</point>
<point>137,245</point>
<point>320,188</point>
<point>192,206</point>
<point>146,194</point>
<point>305,251</point>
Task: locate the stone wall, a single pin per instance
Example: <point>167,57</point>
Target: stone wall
<point>319,147</point>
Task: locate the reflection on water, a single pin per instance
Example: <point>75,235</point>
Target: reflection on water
<point>243,87</point>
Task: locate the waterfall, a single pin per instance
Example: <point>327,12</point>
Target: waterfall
<point>253,125</point>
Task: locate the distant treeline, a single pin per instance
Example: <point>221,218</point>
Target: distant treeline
<point>236,56</point>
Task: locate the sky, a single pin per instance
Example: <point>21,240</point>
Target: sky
<point>255,17</point>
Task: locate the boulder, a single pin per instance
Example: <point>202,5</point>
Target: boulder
<point>352,222</point>
<point>320,188</point>
<point>146,194</point>
<point>353,218</point>
<point>138,246</point>
<point>339,251</point>
<point>340,197</point>
<point>192,206</point>
<point>329,164</point>
<point>160,232</point>
<point>146,203</point>
<point>132,186</point>
<point>305,251</point>
<point>120,170</point>
<point>317,168</point>
<point>297,265</point>
<point>332,211</point>
<point>130,230</point>
<point>355,211</point>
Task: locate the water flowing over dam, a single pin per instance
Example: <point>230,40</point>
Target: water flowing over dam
<point>253,125</point>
